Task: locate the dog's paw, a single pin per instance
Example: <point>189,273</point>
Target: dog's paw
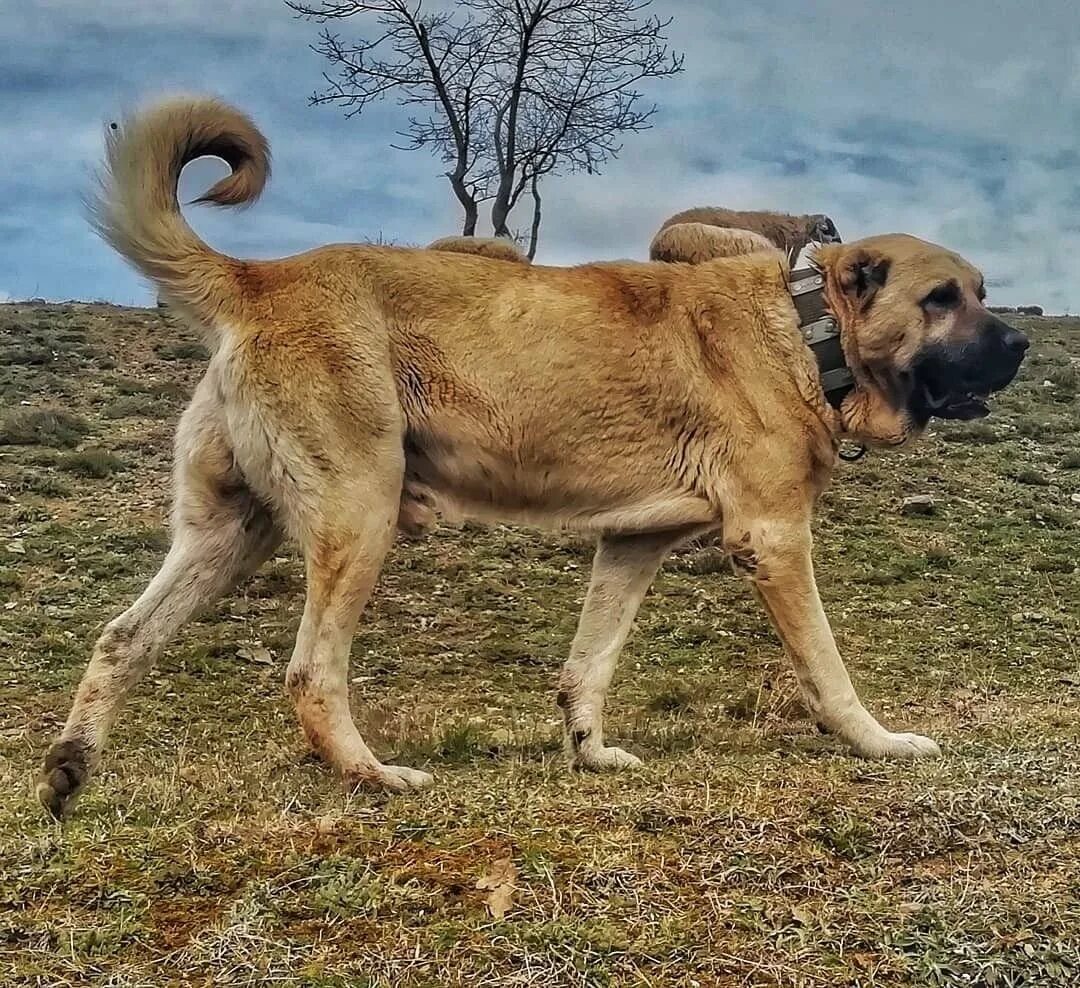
<point>903,747</point>
<point>65,772</point>
<point>399,778</point>
<point>605,760</point>
<point>392,778</point>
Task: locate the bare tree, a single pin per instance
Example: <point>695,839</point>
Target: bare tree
<point>507,92</point>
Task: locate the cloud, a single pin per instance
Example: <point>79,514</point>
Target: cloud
<point>923,117</point>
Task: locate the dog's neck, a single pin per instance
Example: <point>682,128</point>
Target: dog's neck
<point>821,333</point>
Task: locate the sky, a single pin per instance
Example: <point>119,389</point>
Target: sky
<point>954,121</point>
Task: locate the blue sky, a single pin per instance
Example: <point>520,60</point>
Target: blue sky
<point>959,122</point>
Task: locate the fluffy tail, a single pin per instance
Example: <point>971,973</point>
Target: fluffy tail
<point>136,209</point>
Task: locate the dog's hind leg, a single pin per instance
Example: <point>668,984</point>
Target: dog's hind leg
<point>343,561</point>
<point>623,569</point>
<point>221,534</point>
<point>346,527</point>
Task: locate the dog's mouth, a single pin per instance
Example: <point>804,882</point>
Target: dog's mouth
<point>955,382</point>
<point>940,400</point>
<point>954,387</point>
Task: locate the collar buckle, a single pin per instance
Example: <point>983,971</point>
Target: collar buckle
<point>810,283</point>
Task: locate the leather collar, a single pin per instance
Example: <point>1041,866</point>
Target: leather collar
<point>821,333</point>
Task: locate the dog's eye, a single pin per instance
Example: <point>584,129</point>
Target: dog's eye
<point>943,297</point>
<point>980,293</point>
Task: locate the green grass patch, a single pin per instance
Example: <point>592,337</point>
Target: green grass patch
<point>44,484</point>
<point>42,427</point>
<point>974,433</point>
<point>1032,478</point>
<point>138,406</point>
<point>26,356</point>
<point>184,350</point>
<point>95,463</point>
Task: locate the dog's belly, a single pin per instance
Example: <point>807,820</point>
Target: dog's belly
<point>545,486</point>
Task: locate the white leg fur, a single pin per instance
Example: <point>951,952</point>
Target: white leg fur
<point>777,558</point>
<point>623,569</point>
<point>221,534</point>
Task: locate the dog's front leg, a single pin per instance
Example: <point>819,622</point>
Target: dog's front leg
<point>776,556</point>
<point>623,569</point>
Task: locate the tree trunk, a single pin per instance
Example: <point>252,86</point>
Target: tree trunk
<point>500,206</point>
<point>500,211</point>
<point>468,228</point>
<point>498,220</point>
<point>468,203</point>
<point>534,234</point>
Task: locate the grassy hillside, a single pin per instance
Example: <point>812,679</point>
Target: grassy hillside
<point>212,849</point>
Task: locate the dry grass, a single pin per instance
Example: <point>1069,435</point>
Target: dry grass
<point>751,851</point>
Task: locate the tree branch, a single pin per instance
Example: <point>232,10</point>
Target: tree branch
<point>507,92</point>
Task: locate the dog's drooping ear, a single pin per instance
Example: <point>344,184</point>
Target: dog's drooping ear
<point>860,274</point>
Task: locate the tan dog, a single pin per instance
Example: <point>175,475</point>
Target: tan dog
<point>644,402</point>
<point>787,233</point>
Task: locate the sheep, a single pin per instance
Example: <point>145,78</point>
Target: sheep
<point>787,233</point>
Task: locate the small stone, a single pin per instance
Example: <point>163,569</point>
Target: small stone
<point>918,504</point>
<point>257,654</point>
<point>1033,617</point>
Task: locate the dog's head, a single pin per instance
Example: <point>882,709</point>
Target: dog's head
<point>823,230</point>
<point>916,334</point>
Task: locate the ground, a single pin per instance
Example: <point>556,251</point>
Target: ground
<point>213,849</point>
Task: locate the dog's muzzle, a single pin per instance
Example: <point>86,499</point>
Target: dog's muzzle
<point>954,382</point>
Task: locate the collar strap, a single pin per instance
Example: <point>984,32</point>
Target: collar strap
<point>821,333</point>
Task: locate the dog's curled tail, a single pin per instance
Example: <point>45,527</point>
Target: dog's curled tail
<point>136,209</point>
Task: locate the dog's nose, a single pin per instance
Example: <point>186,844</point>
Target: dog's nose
<point>1015,341</point>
